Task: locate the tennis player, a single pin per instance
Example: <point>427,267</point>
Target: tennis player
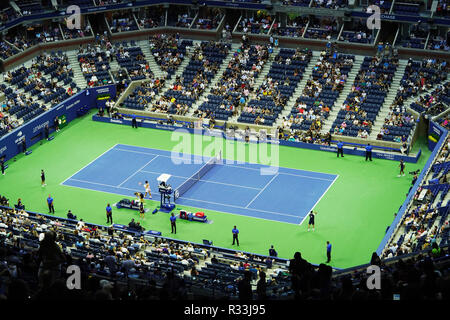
<point>43,184</point>
<point>402,168</point>
<point>311,219</point>
<point>147,189</point>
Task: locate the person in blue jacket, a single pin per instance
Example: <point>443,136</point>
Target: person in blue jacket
<point>340,149</point>
<point>369,152</point>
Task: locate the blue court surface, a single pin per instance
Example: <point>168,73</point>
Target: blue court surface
<point>284,195</point>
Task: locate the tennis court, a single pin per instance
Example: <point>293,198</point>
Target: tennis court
<point>286,195</point>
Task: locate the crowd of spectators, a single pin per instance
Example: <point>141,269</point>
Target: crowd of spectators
<point>76,33</point>
<point>427,104</point>
<point>357,32</point>
<point>145,93</point>
<point>438,43</point>
<point>208,21</point>
<point>184,20</point>
<point>7,15</point>
<point>322,28</point>
<point>425,224</point>
<point>294,27</point>
<point>260,24</point>
<point>442,9</point>
<point>7,50</point>
<point>35,251</point>
<point>368,92</point>
<point>236,84</point>
<point>203,66</point>
<point>237,81</point>
<point>94,61</point>
<point>385,6</point>
<point>326,82</point>
<point>153,18</point>
<point>420,76</point>
<point>123,22</point>
<point>329,4</point>
<point>169,52</point>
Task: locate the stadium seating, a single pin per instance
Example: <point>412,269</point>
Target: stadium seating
<point>321,91</point>
<point>284,75</point>
<point>363,103</point>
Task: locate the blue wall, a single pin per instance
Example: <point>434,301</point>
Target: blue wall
<point>33,131</point>
<point>347,148</point>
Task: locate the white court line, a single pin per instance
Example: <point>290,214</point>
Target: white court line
<point>209,181</point>
<point>90,163</point>
<point>231,165</point>
<point>182,197</point>
<point>307,214</point>
<point>137,171</point>
<point>241,162</point>
<point>102,184</point>
<point>267,184</point>
<point>243,215</point>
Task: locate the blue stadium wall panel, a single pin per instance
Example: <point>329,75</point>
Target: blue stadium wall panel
<point>350,151</point>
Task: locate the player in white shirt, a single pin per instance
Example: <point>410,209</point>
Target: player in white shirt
<point>147,189</point>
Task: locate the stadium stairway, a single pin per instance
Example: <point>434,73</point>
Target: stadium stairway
<point>223,67</point>
<point>169,84</point>
<point>390,97</point>
<point>298,91</point>
<point>345,91</point>
<point>144,44</point>
<point>265,70</point>
<point>78,77</point>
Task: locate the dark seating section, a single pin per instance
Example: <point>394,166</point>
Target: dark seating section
<point>322,28</point>
<point>407,8</point>
<point>333,4</point>
<point>298,3</point>
<point>260,24</point>
<point>123,22</point>
<point>28,7</point>
<point>438,43</point>
<point>7,50</point>
<point>385,6</point>
<point>80,3</point>
<point>368,93</point>
<point>293,28</point>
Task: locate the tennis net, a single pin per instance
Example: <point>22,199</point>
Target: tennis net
<point>197,176</point>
